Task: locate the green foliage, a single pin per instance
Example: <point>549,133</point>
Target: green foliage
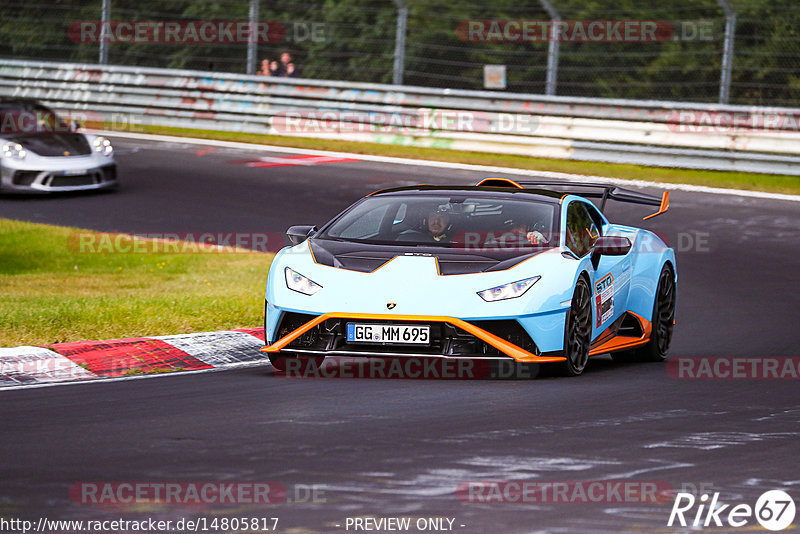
<point>359,41</point>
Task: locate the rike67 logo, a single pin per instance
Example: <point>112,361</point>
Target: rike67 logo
<point>774,510</point>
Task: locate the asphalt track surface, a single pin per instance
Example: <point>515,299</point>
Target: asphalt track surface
<point>401,447</point>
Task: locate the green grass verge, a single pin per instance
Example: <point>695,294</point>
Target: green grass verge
<point>50,292</point>
<point>731,180</point>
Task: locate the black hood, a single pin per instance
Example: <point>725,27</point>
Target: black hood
<point>367,257</point>
<point>53,144</point>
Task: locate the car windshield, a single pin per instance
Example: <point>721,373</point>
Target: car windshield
<point>470,222</point>
<point>29,118</point>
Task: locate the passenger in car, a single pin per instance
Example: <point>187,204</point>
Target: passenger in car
<point>526,231</point>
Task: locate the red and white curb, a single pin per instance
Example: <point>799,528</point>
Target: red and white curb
<point>120,358</point>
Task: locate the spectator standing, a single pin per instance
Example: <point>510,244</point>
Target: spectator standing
<point>290,70</point>
<point>271,68</point>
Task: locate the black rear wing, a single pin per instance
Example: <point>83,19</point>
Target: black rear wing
<point>604,192</point>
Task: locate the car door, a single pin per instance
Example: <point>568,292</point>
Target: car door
<point>584,225</point>
<point>619,267</point>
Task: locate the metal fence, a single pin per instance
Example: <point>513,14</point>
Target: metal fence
<point>656,133</point>
<point>744,52</point>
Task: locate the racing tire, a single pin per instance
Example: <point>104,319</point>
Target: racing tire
<point>663,323</point>
<point>300,365</point>
<point>578,330</point>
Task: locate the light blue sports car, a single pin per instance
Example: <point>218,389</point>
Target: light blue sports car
<point>503,270</point>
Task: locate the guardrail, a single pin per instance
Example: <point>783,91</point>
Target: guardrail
<point>671,134</point>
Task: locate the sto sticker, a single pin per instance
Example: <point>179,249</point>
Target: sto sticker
<point>604,288</point>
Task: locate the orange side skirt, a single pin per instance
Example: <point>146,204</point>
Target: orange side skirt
<point>607,342</point>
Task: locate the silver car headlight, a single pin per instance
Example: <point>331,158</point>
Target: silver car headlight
<point>511,290</point>
<point>297,282</point>
<point>14,150</point>
<point>103,145</point>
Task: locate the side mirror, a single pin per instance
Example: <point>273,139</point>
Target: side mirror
<point>298,234</point>
<point>610,246</point>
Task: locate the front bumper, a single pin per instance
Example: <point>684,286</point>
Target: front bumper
<point>323,335</point>
<point>53,178</point>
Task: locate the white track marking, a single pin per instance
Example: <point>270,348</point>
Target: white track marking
<point>23,365</point>
<point>218,348</point>
<point>458,166</point>
<point>707,441</point>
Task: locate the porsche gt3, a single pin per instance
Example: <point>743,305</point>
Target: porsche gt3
<point>42,153</point>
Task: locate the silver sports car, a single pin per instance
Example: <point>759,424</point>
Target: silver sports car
<point>40,152</point>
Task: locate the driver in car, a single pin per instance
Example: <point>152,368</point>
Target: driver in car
<point>438,225</point>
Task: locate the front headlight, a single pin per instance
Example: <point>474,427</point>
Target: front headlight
<point>508,291</point>
<point>14,150</point>
<point>102,145</point>
<point>297,282</point>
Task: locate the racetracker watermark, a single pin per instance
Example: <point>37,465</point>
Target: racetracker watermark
<point>175,243</point>
<point>410,367</point>
<point>739,122</point>
<point>406,122</point>
<point>734,368</point>
<point>37,121</point>
<point>176,31</point>
<point>563,492</point>
<point>522,239</point>
<point>194,493</point>
<point>177,492</point>
<point>37,366</point>
<point>578,31</point>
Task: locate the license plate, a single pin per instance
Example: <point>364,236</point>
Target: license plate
<point>389,333</point>
<point>73,172</point>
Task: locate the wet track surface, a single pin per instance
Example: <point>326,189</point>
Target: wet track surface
<point>402,447</point>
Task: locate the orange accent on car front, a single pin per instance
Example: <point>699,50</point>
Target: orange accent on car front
<point>499,343</point>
